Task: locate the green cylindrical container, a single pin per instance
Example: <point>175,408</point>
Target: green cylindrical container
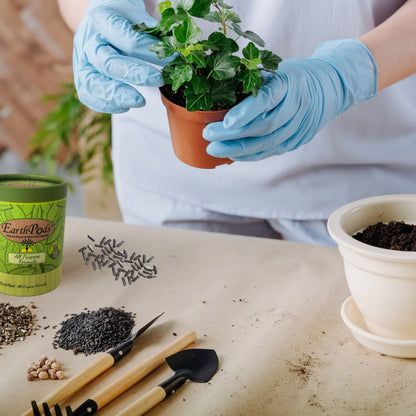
<point>32,224</point>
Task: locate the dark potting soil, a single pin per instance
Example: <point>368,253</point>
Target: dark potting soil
<point>94,331</point>
<point>396,235</point>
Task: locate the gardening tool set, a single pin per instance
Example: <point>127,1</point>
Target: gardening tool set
<point>197,365</point>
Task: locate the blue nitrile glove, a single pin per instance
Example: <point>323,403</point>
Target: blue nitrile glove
<point>295,102</point>
<point>109,55</point>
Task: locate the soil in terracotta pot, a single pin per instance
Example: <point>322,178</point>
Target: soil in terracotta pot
<point>396,235</point>
<point>179,98</point>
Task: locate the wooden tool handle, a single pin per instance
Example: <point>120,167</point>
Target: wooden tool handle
<point>75,383</point>
<point>145,403</point>
<point>137,373</point>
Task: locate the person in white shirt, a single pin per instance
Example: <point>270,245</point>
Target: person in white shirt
<point>336,123</point>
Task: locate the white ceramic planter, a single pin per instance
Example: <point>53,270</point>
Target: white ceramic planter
<point>382,282</point>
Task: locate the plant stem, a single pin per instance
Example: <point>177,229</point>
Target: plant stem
<point>224,26</point>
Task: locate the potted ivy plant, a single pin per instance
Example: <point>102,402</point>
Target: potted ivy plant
<point>205,77</point>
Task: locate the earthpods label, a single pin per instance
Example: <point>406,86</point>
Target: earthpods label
<point>27,231</point>
<point>31,244</point>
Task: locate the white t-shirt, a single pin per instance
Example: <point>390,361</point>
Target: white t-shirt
<point>368,150</point>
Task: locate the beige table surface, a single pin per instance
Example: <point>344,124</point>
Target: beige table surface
<point>269,308</point>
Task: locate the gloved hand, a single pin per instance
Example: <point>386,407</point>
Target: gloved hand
<point>295,102</point>
<point>109,55</point>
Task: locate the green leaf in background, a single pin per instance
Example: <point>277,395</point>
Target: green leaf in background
<point>74,137</point>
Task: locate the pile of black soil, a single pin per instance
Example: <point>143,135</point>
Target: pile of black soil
<point>396,235</point>
<point>91,332</point>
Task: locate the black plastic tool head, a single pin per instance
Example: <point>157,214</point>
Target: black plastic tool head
<point>47,412</point>
<point>198,365</point>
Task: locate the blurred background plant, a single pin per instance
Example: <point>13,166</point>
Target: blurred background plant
<point>73,137</point>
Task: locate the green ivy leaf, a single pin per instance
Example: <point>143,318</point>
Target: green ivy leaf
<point>223,65</point>
<point>183,4</point>
<point>224,92</point>
<point>198,102</point>
<point>143,28</point>
<point>270,60</point>
<point>163,48</point>
<point>180,75</point>
<point>252,81</point>
<point>248,34</point>
<point>252,64</point>
<point>223,5</point>
<point>200,85</point>
<point>164,5</point>
<point>170,19</point>
<point>208,45</point>
<point>200,8</point>
<point>222,43</point>
<point>198,58</point>
<point>232,17</point>
<point>188,32</point>
<point>213,17</point>
<point>140,27</point>
<point>168,69</point>
<point>251,51</point>
<point>166,74</point>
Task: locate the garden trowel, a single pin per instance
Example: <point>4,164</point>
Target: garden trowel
<point>197,365</point>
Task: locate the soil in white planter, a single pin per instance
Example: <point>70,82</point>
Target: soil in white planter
<point>396,235</point>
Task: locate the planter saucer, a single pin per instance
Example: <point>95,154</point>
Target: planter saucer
<point>355,322</point>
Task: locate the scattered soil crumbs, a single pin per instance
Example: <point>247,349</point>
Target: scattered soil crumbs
<point>396,235</point>
<point>313,401</point>
<point>303,367</point>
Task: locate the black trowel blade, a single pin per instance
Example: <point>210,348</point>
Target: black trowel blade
<point>199,365</point>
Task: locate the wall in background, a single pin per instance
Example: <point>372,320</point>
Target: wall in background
<point>35,59</point>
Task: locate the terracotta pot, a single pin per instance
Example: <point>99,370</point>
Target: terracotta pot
<point>186,133</point>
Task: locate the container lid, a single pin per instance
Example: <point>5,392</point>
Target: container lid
<point>31,188</point>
